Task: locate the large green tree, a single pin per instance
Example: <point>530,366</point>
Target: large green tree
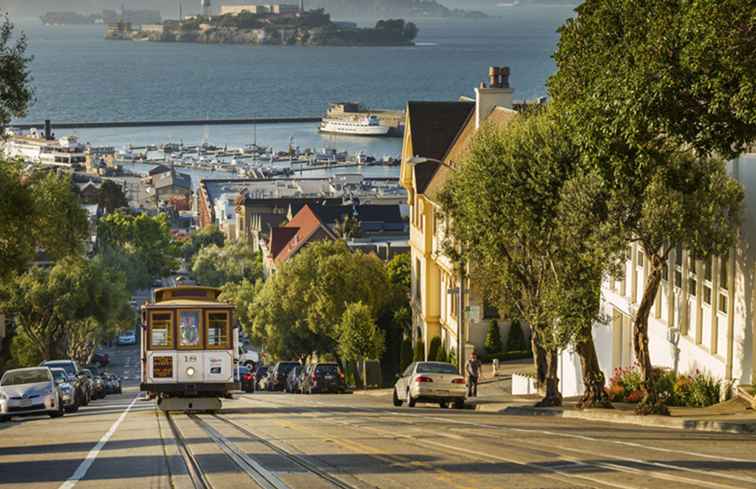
<point>506,204</point>
<point>359,336</point>
<point>215,266</point>
<point>140,240</point>
<point>38,211</point>
<point>650,90</point>
<point>15,80</point>
<point>111,196</point>
<point>64,311</point>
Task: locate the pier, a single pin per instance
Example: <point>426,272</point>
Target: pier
<point>168,123</point>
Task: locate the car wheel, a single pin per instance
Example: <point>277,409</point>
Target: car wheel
<point>411,401</point>
<point>443,404</point>
<point>459,404</point>
<point>397,401</point>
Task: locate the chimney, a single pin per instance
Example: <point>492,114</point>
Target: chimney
<point>48,130</point>
<point>497,94</point>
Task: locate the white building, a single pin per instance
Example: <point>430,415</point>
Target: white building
<point>704,317</point>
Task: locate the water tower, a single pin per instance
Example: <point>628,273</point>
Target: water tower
<point>205,4</point>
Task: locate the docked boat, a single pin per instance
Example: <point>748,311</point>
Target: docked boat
<point>359,126</point>
<point>35,147</point>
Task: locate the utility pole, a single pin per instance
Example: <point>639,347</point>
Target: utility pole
<point>460,293</point>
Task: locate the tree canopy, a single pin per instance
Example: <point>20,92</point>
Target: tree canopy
<point>359,336</point>
<point>215,266</point>
<point>15,80</point>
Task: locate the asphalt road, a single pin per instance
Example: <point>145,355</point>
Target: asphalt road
<point>354,441</point>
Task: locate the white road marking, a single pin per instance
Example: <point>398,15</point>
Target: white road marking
<point>83,468</point>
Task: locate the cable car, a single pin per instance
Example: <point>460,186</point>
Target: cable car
<point>189,349</point>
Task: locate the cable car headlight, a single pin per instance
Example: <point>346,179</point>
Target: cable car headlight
<point>190,371</point>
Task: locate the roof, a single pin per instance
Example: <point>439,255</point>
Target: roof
<point>434,125</point>
<point>158,170</point>
<point>424,174</point>
<point>306,223</point>
<point>169,179</point>
<point>279,238</point>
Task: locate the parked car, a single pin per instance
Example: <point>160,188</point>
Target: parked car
<point>126,338</point>
<point>436,382</point>
<point>246,378</point>
<point>247,356</point>
<point>112,383</point>
<point>277,376</point>
<point>261,377</point>
<point>29,391</point>
<point>82,386</point>
<point>293,379</point>
<point>98,387</point>
<point>324,377</point>
<point>66,388</point>
<point>102,359</point>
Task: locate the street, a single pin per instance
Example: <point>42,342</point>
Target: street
<point>273,440</point>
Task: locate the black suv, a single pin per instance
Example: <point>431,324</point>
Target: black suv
<point>77,379</point>
<point>323,377</point>
<point>277,376</point>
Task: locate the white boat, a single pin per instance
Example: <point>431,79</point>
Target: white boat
<point>33,147</point>
<point>361,126</point>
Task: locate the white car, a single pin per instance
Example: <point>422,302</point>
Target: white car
<point>28,391</point>
<point>436,382</point>
<point>127,338</point>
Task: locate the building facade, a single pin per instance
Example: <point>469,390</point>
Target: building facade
<point>437,135</point>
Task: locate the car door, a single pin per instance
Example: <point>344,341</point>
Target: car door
<point>403,381</point>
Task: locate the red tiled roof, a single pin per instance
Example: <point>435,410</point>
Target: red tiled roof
<point>306,223</point>
<point>279,238</point>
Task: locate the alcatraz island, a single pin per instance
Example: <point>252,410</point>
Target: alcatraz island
<point>275,24</point>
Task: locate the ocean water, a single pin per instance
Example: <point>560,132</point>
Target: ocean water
<point>79,76</point>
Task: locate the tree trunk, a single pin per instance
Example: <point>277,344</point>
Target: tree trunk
<point>540,362</point>
<point>651,404</point>
<point>595,395</point>
<point>552,396</point>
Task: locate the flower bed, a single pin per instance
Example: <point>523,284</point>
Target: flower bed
<point>692,390</point>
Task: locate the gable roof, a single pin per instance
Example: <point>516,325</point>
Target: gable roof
<point>434,125</point>
<point>306,223</point>
<point>279,238</point>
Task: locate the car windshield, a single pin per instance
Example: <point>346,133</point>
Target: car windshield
<point>436,368</point>
<point>327,369</point>
<point>285,368</point>
<point>25,377</point>
<point>86,372</point>
<point>67,366</point>
<point>60,375</point>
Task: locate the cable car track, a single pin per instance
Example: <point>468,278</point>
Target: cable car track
<point>264,478</point>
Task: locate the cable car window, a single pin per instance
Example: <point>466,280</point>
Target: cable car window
<point>217,330</point>
<point>189,331</point>
<point>161,330</point>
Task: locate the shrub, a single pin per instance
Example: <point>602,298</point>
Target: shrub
<point>492,343</point>
<point>405,354</point>
<point>452,357</point>
<point>441,356</point>
<point>434,348</point>
<point>697,390</point>
<point>419,351</point>
<point>516,338</point>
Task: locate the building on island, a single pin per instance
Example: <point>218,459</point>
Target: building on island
<point>436,138</point>
<point>259,9</point>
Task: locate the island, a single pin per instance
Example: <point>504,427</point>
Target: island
<point>264,27</point>
<point>105,17</point>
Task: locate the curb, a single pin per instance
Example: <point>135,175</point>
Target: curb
<point>372,392</point>
<point>609,416</point>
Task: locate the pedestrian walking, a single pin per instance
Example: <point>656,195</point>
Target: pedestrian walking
<point>473,374</point>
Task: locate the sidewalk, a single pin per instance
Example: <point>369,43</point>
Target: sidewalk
<point>494,396</point>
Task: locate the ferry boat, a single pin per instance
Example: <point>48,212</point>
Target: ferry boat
<point>361,126</point>
<point>34,147</point>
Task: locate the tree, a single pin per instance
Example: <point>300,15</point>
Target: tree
<point>38,211</point>
<point>202,238</point>
<point>16,93</point>
<point>650,90</point>
<point>299,309</point>
<point>111,197</point>
<point>216,266</point>
<point>419,351</point>
<point>405,354</point>
<point>64,311</point>
<point>492,342</point>
<point>143,239</point>
<point>506,202</point>
<point>515,338</point>
<point>359,336</point>
<point>242,295</point>
<point>434,347</point>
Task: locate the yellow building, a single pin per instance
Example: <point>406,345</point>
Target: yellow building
<point>436,138</point>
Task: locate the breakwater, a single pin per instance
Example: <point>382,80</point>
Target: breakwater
<point>168,123</point>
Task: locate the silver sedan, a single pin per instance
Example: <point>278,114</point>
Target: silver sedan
<point>28,391</point>
<point>436,382</point>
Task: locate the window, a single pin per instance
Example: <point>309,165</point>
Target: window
<point>707,294</point>
<point>189,329</point>
<point>707,270</point>
<point>161,330</point>
<point>218,334</point>
<point>723,272</point>
<point>679,256</point>
<point>640,259</point>
<point>692,286</point>
<point>723,303</point>
<point>678,278</point>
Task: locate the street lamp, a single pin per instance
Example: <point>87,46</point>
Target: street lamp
<point>458,291</point>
